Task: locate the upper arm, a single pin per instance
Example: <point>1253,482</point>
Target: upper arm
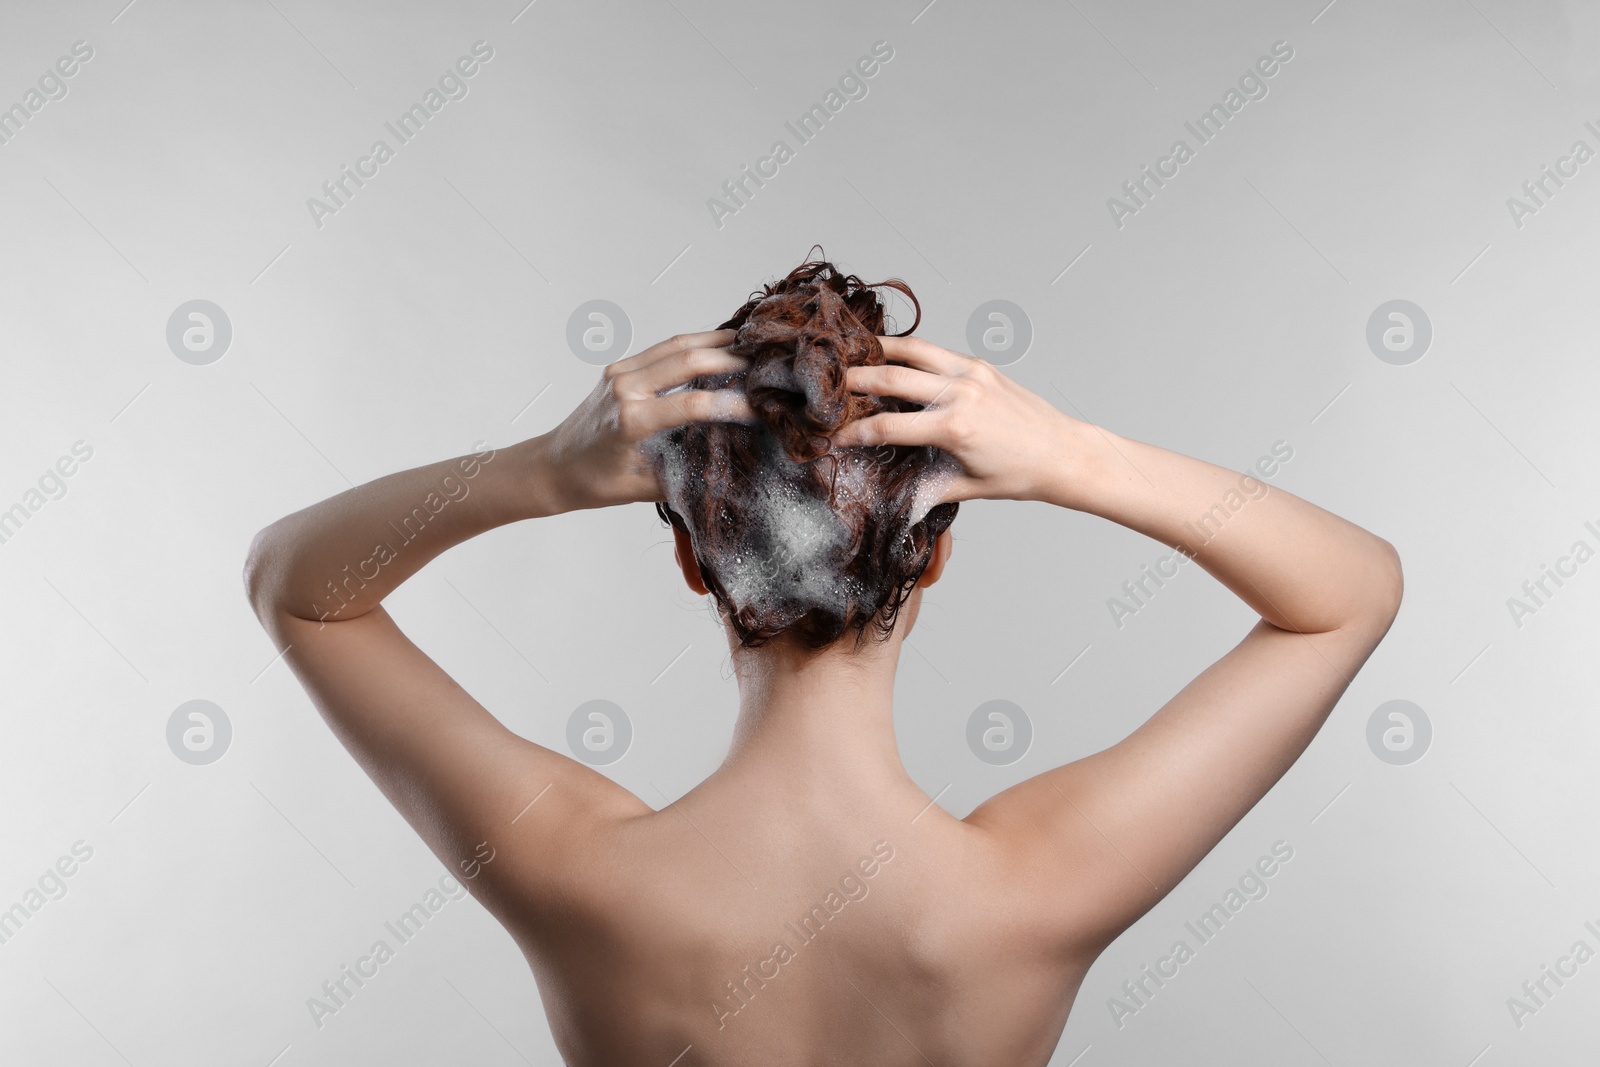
<point>1123,826</point>
<point>460,778</point>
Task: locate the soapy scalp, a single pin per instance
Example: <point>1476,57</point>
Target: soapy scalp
<point>794,537</point>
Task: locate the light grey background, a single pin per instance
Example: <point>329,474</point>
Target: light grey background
<point>1229,314</point>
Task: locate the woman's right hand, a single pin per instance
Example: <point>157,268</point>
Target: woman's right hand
<point>1010,442</point>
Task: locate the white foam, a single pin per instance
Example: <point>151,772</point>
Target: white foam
<point>931,486</point>
<point>791,547</point>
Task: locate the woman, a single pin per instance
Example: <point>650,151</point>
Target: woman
<point>808,903</point>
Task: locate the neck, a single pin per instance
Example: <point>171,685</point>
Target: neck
<point>818,722</point>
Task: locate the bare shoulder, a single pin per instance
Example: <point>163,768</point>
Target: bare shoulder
<point>1053,871</point>
<point>1125,825</point>
<point>550,844</point>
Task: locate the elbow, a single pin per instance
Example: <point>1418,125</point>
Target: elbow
<point>258,571</point>
<point>1389,584</point>
<point>1373,591</point>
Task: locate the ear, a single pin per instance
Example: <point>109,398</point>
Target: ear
<point>683,552</point>
<point>942,547</point>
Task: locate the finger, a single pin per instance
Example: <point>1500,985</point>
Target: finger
<point>693,405</point>
<point>678,369</point>
<point>918,386</point>
<point>925,355</point>
<point>891,428</point>
<point>671,346</point>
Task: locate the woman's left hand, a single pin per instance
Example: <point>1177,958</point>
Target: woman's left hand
<point>594,455</point>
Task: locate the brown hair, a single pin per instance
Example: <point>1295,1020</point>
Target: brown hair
<point>794,537</point>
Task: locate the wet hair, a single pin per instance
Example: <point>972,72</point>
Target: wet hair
<point>794,537</point>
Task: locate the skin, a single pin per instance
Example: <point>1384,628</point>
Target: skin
<point>967,942</point>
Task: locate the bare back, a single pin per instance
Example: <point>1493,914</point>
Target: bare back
<point>736,929</point>
<point>808,903</point>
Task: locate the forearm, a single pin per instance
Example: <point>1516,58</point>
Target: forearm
<point>338,559</point>
<point>1298,566</point>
